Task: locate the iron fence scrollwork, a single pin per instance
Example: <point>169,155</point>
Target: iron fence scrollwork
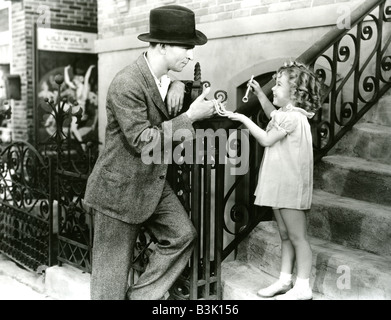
<point>73,164</point>
<point>355,70</point>
<point>26,212</point>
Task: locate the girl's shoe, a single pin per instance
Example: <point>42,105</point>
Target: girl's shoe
<point>278,287</point>
<point>296,294</point>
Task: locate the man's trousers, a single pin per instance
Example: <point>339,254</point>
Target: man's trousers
<point>113,246</point>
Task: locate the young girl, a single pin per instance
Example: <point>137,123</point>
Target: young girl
<point>285,177</point>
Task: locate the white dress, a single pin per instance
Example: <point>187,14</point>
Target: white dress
<point>286,174</point>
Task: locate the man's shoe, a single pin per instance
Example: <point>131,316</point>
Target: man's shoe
<point>296,294</point>
<point>276,288</point>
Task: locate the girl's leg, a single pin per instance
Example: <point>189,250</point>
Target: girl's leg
<point>284,282</point>
<point>287,249</point>
<point>296,224</point>
<point>295,221</point>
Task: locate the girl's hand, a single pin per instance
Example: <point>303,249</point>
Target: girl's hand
<point>237,117</point>
<point>256,87</point>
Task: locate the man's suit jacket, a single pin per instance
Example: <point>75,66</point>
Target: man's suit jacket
<point>121,185</point>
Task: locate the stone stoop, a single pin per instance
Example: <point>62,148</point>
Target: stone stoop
<point>349,224</point>
<point>381,113</point>
<point>354,178</point>
<point>243,280</point>
<point>368,141</point>
<point>338,272</point>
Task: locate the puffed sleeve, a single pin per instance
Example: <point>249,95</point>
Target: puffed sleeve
<point>286,121</point>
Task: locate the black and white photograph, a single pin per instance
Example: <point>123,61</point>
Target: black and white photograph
<point>204,156</point>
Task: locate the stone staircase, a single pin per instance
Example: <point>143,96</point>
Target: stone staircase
<point>349,223</point>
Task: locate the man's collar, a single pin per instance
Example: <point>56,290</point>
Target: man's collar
<point>151,84</point>
<point>158,81</point>
<point>163,83</point>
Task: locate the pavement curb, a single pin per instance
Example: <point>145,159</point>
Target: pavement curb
<point>56,283</point>
<point>12,270</point>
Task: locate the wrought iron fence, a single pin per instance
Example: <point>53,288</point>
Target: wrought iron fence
<point>73,164</point>
<point>26,211</point>
<point>355,70</point>
<point>200,187</point>
<point>42,217</point>
<point>354,65</point>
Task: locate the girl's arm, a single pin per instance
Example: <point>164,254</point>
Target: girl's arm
<point>264,138</point>
<point>267,106</point>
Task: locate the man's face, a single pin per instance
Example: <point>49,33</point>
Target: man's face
<point>178,56</point>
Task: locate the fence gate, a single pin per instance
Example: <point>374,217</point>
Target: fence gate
<point>72,163</point>
<point>42,218</point>
<point>26,208</point>
<point>75,223</point>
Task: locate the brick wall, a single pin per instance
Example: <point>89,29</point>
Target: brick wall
<point>122,17</point>
<point>76,13</point>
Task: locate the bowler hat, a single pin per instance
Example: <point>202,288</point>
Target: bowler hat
<point>173,24</point>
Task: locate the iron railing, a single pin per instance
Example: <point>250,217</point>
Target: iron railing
<point>355,69</point>
<point>73,162</point>
<point>354,66</point>
<point>26,212</point>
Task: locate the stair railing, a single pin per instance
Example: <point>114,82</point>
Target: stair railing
<point>354,66</point>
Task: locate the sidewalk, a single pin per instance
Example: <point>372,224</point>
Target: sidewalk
<point>58,283</point>
<point>11,289</point>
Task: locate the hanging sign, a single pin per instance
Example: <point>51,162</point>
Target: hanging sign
<point>65,40</point>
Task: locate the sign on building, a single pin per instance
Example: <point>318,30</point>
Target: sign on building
<point>69,53</point>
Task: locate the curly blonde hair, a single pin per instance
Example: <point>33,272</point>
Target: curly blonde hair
<point>305,86</point>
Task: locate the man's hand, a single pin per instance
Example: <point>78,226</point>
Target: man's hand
<point>200,108</point>
<point>175,96</point>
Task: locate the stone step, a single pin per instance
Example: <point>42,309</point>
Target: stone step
<point>241,281</point>
<point>350,222</point>
<point>338,272</point>
<point>354,178</point>
<point>381,112</point>
<point>368,141</point>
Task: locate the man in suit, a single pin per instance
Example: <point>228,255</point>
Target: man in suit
<point>125,192</point>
